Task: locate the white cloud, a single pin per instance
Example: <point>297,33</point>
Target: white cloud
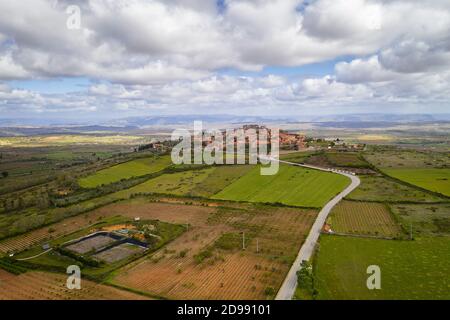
<point>169,54</point>
<point>10,70</point>
<point>362,71</point>
<point>415,56</point>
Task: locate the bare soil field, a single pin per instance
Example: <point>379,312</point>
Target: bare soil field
<point>51,286</point>
<point>197,264</point>
<point>239,276</point>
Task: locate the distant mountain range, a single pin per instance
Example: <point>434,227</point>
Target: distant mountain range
<point>380,117</point>
<point>183,119</point>
<point>11,127</point>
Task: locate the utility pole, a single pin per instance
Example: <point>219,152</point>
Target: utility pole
<point>243,240</point>
<point>410,232</point>
<point>257,246</point>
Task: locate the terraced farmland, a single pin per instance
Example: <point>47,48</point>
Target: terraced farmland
<point>291,185</point>
<point>135,168</point>
<point>363,218</point>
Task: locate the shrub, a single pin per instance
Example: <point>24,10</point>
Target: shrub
<point>270,291</point>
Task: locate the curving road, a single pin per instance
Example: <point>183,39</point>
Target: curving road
<point>289,285</point>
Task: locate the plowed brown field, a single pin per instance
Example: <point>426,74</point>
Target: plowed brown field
<point>277,233</point>
<point>152,210</point>
<point>50,286</point>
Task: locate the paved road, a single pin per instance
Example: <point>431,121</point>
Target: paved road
<point>289,285</point>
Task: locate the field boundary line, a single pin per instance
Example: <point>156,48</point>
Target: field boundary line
<point>287,289</point>
<point>38,255</point>
<point>407,202</point>
<point>343,234</point>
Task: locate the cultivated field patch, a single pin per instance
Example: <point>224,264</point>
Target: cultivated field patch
<point>291,185</point>
<point>424,219</point>
<point>218,179</point>
<point>51,286</point>
<point>134,168</point>
<point>382,189</point>
<point>208,260</point>
<point>407,159</point>
<point>180,183</point>
<point>436,180</point>
<point>100,252</point>
<point>346,159</point>
<point>139,207</point>
<point>297,157</point>
<point>409,269</point>
<point>68,140</point>
<point>364,218</point>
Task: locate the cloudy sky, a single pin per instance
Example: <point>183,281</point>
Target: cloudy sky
<point>248,57</point>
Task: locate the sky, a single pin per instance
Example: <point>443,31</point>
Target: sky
<point>105,59</point>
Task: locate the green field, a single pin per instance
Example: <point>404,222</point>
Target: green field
<point>219,178</point>
<point>364,218</point>
<point>425,219</point>
<point>346,159</point>
<point>291,185</point>
<point>379,188</point>
<point>69,140</point>
<point>409,269</point>
<point>436,180</point>
<point>180,183</point>
<point>135,168</point>
<point>400,158</point>
<point>297,157</point>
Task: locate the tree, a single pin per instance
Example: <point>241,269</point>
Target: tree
<point>5,174</point>
<point>305,278</point>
